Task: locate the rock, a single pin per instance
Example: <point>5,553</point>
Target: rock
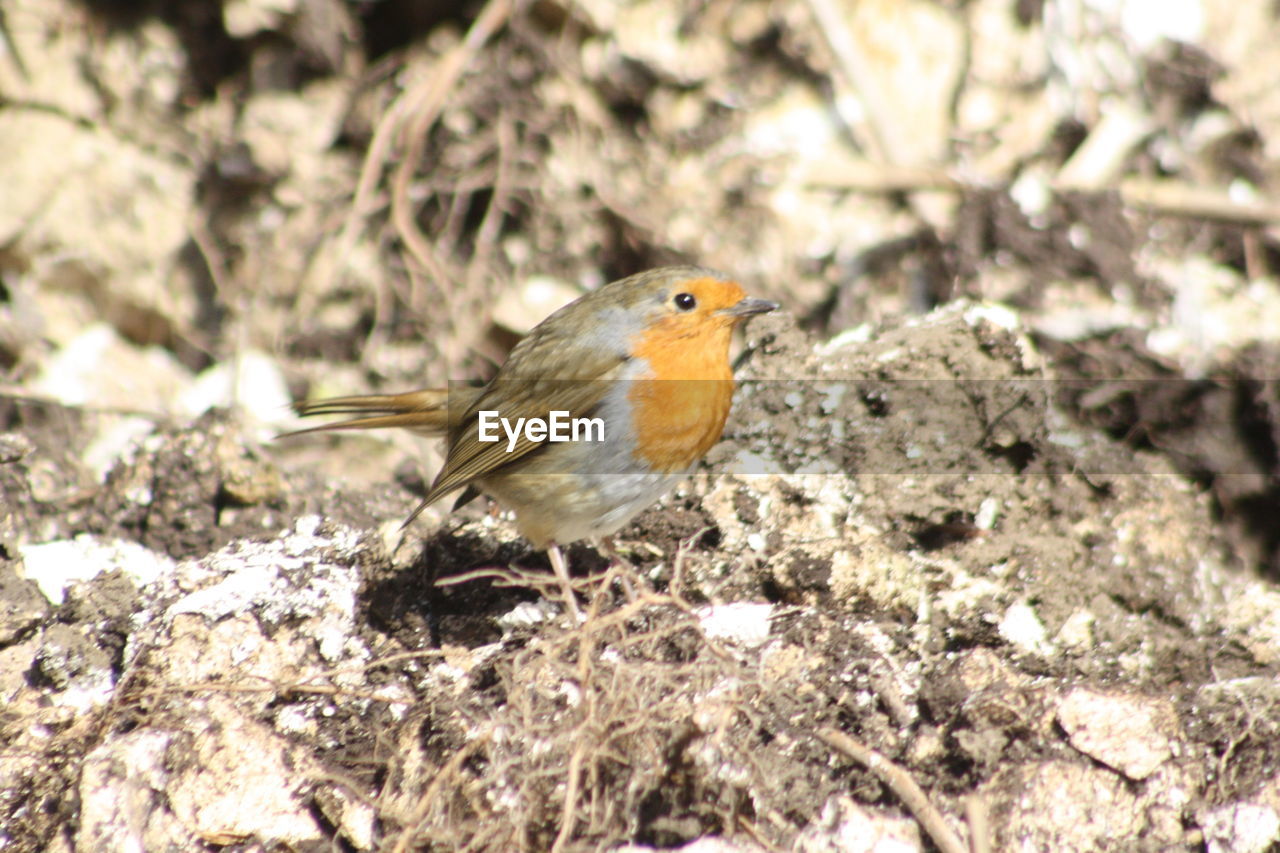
<point>1126,733</point>
<point>22,606</point>
<point>1057,805</point>
<point>54,565</point>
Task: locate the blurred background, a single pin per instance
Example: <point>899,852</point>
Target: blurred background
<point>215,203</point>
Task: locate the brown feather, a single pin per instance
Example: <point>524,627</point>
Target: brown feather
<point>425,412</point>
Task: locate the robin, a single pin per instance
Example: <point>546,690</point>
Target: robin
<point>641,365</point>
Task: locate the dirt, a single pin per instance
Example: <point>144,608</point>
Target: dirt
<point>997,499</point>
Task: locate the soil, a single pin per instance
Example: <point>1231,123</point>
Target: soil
<point>998,498</point>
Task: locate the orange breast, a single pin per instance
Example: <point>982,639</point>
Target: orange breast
<point>679,411</point>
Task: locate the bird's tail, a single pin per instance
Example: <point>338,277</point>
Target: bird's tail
<point>425,412</point>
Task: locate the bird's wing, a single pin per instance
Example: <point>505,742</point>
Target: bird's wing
<point>470,459</point>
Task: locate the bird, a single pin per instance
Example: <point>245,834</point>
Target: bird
<point>641,363</point>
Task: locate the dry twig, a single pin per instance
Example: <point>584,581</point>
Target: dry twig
<point>882,141</point>
<point>901,783</point>
<point>428,797</point>
<point>427,100</point>
<point>407,122</point>
<point>975,814</point>
<point>1163,197</point>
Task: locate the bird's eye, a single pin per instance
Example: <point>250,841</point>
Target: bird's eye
<point>685,301</point>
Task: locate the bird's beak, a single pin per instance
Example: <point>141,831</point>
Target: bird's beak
<point>748,307</point>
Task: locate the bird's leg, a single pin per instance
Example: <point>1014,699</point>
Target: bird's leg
<point>561,567</point>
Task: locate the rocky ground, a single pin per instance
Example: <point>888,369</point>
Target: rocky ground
<point>987,558</point>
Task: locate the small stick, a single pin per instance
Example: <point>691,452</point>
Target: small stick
<point>901,783</point>
<point>1162,197</point>
<point>975,814</point>
<point>442,778</point>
